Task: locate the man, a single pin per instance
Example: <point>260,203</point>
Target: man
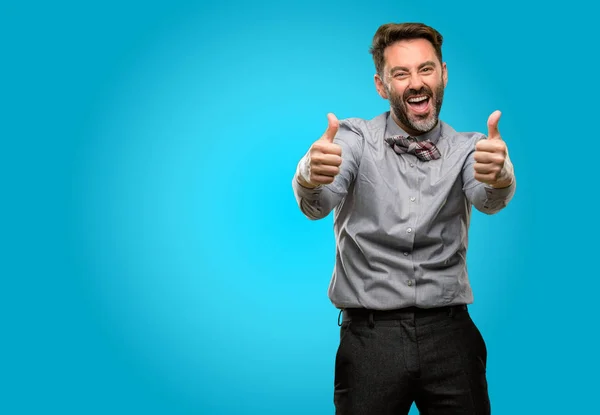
<point>402,186</point>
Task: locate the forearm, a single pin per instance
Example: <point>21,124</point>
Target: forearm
<point>314,202</point>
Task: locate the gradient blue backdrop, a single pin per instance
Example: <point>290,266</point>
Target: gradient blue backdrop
<point>153,258</point>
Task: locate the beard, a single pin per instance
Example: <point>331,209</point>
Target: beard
<point>420,123</point>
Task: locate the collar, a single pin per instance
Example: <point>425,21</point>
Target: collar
<point>392,129</point>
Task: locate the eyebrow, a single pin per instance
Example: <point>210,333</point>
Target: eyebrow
<point>403,68</point>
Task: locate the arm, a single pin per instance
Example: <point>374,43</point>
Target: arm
<point>316,201</point>
<point>488,175</point>
<point>484,197</point>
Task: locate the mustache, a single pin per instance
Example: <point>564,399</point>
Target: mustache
<point>413,92</point>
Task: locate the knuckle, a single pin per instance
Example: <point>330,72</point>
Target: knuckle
<point>332,148</point>
<point>318,146</point>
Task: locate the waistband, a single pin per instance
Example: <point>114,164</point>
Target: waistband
<point>398,314</point>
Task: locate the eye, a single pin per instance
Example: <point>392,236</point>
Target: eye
<point>427,69</point>
<point>400,75</point>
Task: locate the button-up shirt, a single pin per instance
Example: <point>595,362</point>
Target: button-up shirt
<point>401,224</point>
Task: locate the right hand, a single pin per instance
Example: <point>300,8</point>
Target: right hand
<point>325,157</point>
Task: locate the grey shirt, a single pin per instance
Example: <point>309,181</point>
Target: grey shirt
<point>401,224</point>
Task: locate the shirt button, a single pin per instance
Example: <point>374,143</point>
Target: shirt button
<point>409,282</point>
<point>412,199</point>
<point>409,230</point>
<point>412,165</point>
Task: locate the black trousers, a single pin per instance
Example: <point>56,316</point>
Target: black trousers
<point>387,360</point>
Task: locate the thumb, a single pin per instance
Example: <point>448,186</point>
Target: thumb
<point>332,128</point>
<point>493,133</point>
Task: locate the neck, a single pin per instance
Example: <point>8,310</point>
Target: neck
<point>407,129</point>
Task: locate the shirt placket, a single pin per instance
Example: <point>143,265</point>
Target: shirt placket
<point>411,227</point>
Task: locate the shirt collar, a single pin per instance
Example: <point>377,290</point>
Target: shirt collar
<point>393,129</point>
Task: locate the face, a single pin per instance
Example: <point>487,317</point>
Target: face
<point>413,81</point>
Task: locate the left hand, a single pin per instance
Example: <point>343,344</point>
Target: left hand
<point>492,165</point>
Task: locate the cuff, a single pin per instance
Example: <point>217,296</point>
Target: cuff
<point>494,193</point>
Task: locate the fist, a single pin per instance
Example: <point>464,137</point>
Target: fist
<point>324,158</point>
<point>492,165</point>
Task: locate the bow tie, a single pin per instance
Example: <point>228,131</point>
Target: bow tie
<point>425,150</point>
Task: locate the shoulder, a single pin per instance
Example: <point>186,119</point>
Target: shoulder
<point>363,128</point>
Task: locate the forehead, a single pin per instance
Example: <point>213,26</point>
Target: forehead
<point>409,53</point>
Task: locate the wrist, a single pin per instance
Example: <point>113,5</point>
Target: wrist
<point>306,184</point>
<point>507,176</point>
<point>503,182</point>
<point>501,185</point>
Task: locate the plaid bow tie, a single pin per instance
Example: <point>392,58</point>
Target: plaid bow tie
<point>424,150</point>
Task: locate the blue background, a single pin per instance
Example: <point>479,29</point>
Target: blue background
<point>153,257</point>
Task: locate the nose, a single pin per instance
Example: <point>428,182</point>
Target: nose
<point>415,82</point>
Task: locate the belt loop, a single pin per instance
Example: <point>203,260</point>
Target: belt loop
<point>451,311</point>
<point>339,315</point>
<point>371,321</point>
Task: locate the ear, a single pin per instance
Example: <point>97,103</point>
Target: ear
<point>379,86</point>
<point>445,74</point>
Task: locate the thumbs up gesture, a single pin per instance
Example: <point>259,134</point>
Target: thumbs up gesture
<point>323,160</point>
<point>492,165</point>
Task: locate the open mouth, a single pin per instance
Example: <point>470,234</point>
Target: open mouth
<point>419,103</point>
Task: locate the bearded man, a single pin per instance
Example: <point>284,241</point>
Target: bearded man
<point>402,186</point>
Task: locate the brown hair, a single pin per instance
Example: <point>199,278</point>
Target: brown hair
<point>391,33</point>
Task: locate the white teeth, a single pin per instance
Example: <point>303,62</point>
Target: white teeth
<point>419,99</point>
